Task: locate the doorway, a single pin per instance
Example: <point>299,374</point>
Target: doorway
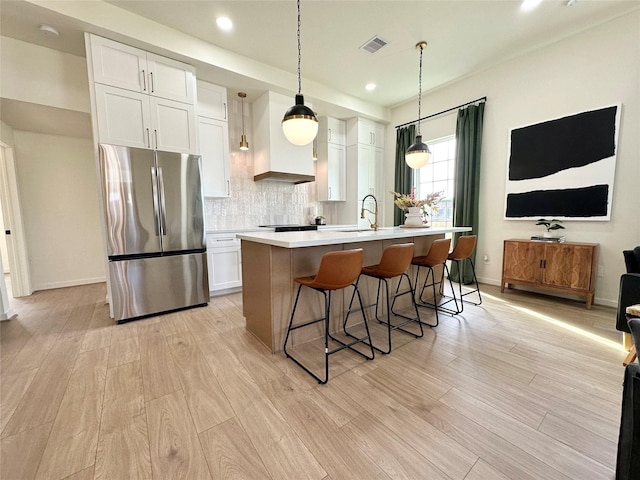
<point>12,234</point>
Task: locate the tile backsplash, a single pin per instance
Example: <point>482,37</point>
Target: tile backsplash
<point>259,203</point>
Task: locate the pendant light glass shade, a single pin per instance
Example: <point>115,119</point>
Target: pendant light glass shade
<point>418,154</point>
<point>300,124</point>
<point>244,145</point>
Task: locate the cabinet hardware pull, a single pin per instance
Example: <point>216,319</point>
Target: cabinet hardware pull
<point>225,110</point>
<point>144,81</point>
<point>155,132</point>
<point>329,192</point>
<point>329,135</point>
<point>148,139</point>
<point>152,83</point>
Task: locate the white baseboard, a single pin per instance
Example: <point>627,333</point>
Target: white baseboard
<point>70,283</point>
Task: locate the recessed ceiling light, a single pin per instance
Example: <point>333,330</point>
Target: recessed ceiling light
<point>370,87</point>
<point>528,5</point>
<point>224,23</point>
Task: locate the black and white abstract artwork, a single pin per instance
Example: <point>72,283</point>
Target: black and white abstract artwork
<point>564,168</point>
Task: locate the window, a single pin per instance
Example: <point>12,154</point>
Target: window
<point>439,175</point>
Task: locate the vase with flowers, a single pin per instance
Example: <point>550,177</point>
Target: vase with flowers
<point>417,208</point>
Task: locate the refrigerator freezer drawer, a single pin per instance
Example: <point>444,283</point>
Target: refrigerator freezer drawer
<point>149,286</point>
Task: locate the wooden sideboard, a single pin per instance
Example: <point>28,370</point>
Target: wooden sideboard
<point>558,267</point>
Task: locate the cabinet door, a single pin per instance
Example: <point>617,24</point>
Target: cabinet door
<point>378,135</point>
<point>173,126</point>
<point>170,79</point>
<point>337,172</point>
<point>213,137</point>
<point>331,173</point>
<point>523,261</point>
<point>224,261</point>
<point>123,117</point>
<point>370,133</point>
<point>336,131</point>
<point>568,266</point>
<point>118,65</point>
<point>212,101</point>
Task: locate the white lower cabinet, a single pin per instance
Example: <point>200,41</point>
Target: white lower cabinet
<point>224,262</point>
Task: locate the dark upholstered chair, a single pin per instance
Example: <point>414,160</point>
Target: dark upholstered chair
<point>629,293</point>
<point>632,260</point>
<point>628,461</point>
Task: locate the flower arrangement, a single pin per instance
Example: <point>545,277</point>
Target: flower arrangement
<point>404,201</point>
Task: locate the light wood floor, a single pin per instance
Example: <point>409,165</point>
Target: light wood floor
<point>503,391</point>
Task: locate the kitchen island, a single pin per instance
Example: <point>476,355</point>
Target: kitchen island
<point>271,261</point>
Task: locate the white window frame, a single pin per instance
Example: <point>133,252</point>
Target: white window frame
<point>439,174</point>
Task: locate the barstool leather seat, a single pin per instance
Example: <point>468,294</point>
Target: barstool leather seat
<point>437,255</point>
<point>337,270</point>
<point>395,261</point>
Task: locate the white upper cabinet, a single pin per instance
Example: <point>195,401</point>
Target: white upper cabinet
<point>141,99</point>
<point>213,139</point>
<point>133,69</point>
<point>212,101</point>
<point>331,164</point>
<point>213,136</point>
<point>334,130</point>
<point>360,130</point>
<point>173,126</point>
<point>134,119</point>
<point>123,116</point>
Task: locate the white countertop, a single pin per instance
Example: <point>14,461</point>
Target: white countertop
<point>334,237</point>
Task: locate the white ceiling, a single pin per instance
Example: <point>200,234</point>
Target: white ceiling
<point>464,36</point>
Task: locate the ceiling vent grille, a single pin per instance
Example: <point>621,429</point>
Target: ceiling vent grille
<point>374,44</point>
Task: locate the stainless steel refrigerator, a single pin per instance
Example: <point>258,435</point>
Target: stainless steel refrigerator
<point>154,221</point>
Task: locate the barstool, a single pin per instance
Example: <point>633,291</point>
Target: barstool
<point>437,255</point>
<point>462,251</point>
<point>337,270</point>
<point>394,263</point>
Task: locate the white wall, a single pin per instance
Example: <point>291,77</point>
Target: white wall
<point>596,68</point>
<point>59,197</point>
<point>49,77</point>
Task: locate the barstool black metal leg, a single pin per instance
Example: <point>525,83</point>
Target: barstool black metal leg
<point>413,302</point>
<point>356,291</point>
<point>294,327</point>
<point>475,279</point>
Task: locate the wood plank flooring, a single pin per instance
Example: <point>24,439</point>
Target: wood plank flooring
<point>523,387</point>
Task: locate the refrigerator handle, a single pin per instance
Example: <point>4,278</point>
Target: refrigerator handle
<point>154,189</point>
<point>163,210</point>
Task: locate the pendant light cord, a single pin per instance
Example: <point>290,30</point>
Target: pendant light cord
<point>420,88</point>
<point>242,98</point>
<point>300,53</point>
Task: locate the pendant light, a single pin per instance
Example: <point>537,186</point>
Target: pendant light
<point>418,154</point>
<point>300,124</point>
<point>244,145</point>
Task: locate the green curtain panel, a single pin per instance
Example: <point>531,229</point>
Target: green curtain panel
<point>404,173</point>
<point>467,189</point>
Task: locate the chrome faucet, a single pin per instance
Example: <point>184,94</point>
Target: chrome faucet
<point>374,225</point>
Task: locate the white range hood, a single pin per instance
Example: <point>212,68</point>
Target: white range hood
<point>275,158</point>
